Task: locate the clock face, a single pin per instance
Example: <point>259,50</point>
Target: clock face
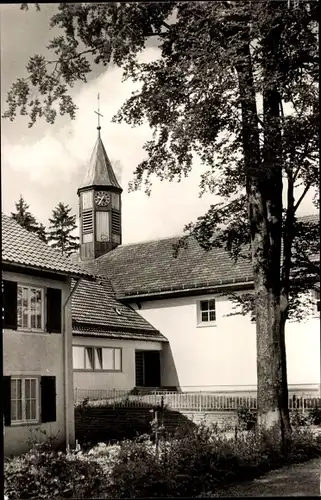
<point>102,199</point>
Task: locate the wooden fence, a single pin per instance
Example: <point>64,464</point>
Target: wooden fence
<point>195,401</point>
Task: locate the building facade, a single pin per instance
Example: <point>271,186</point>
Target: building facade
<point>113,346</point>
<point>37,340</point>
<point>184,292</point>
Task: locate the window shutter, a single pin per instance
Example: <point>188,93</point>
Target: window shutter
<point>48,399</point>
<point>10,296</point>
<point>53,310</point>
<point>6,391</point>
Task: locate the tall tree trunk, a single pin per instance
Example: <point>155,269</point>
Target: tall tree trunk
<point>284,298</point>
<point>264,195</point>
<point>272,375</point>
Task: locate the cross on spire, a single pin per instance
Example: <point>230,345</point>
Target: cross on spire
<point>99,114</point>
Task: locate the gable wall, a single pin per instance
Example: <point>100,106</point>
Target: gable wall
<point>38,354</point>
<point>225,354</point>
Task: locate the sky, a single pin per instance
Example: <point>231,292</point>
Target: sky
<point>46,163</point>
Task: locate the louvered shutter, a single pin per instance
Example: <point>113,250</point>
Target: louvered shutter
<point>10,296</point>
<point>54,310</point>
<point>48,399</point>
<point>6,391</point>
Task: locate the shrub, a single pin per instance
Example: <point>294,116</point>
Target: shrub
<point>304,445</point>
<point>300,419</point>
<point>136,471</point>
<point>44,473</point>
<point>192,463</point>
<point>199,461</point>
<point>315,414</point>
<point>247,418</point>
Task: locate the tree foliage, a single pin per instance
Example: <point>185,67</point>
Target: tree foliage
<point>25,218</point>
<point>235,87</point>
<point>62,224</point>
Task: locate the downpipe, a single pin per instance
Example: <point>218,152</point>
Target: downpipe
<point>66,367</point>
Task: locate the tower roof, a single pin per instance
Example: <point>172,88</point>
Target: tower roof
<point>99,171</point>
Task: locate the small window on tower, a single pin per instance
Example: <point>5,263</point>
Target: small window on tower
<point>87,200</point>
<point>87,237</point>
<point>87,227</point>
<point>115,201</point>
<point>102,226</point>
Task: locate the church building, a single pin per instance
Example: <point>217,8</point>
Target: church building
<point>159,320</point>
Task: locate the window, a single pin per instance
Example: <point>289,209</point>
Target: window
<point>87,238</point>
<point>115,222</point>
<point>25,307</point>
<point>30,307</point>
<point>206,312</point>
<point>87,227</point>
<point>78,357</point>
<point>24,400</point>
<point>115,201</point>
<point>102,226</point>
<point>29,399</point>
<point>87,200</point>
<point>96,358</point>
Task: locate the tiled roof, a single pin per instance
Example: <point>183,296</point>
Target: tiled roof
<point>96,312</point>
<point>99,171</point>
<point>150,268</point>
<point>23,248</point>
<point>119,334</point>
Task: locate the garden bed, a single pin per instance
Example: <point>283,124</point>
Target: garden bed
<point>191,463</point>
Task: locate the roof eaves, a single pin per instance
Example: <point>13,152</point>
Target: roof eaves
<point>93,326</point>
<point>72,274</point>
<point>156,337</point>
<point>134,294</point>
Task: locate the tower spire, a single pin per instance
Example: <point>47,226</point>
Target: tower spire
<point>98,115</point>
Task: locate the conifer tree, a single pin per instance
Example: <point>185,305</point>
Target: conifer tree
<point>62,224</point>
<point>42,232</point>
<point>27,220</point>
<point>23,216</point>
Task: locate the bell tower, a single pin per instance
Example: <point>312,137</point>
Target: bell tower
<point>99,204</point>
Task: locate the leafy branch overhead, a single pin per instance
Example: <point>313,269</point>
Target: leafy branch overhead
<point>190,95</point>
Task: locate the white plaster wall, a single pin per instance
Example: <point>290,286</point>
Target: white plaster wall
<point>38,354</point>
<point>225,354</point>
<point>124,380</point>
